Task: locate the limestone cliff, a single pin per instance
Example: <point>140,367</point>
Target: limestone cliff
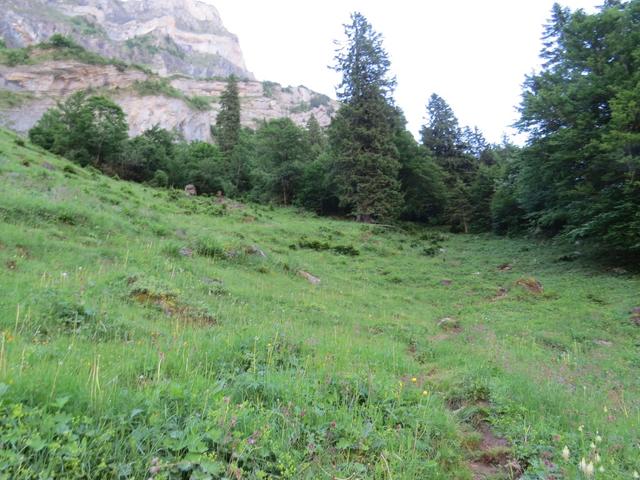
<point>169,36</point>
<point>27,91</point>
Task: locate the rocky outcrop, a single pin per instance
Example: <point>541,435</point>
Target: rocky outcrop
<point>35,88</point>
<point>169,36</point>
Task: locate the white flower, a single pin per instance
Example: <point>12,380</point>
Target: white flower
<point>593,446</point>
<point>597,458</point>
<point>581,428</point>
<point>601,469</point>
<point>636,474</point>
<point>588,471</point>
<point>605,409</point>
<point>583,464</point>
<point>566,453</point>
<point>598,438</point>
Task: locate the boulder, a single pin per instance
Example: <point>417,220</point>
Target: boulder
<point>190,190</point>
<point>313,280</point>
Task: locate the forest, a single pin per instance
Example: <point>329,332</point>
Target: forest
<point>576,178</point>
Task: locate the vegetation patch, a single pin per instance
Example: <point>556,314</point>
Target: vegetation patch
<point>319,246</point>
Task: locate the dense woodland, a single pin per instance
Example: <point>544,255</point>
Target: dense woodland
<point>577,178</point>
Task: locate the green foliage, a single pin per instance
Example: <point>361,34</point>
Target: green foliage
<point>362,133</point>
<point>163,87</point>
<point>13,57</point>
<point>10,99</point>
<point>422,181</point>
<point>579,173</point>
<point>227,130</point>
<point>269,88</point>
<point>281,153</point>
<point>86,129</point>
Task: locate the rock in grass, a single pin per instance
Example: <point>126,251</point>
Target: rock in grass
<point>446,283</point>
<point>449,323</point>
<point>255,250</point>
<point>313,280</point>
<point>635,316</point>
<point>531,285</point>
<point>186,252</point>
<point>190,190</point>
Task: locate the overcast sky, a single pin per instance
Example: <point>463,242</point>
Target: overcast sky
<point>472,53</point>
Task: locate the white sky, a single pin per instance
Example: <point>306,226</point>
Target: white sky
<point>473,53</point>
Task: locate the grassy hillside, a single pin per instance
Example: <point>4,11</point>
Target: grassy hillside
<point>145,335</point>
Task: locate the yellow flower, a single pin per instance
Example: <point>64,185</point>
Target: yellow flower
<point>414,379</point>
<point>425,393</point>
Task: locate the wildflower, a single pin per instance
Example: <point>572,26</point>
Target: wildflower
<point>636,474</point>
<point>598,438</point>
<point>583,464</point>
<point>588,471</point>
<point>425,393</point>
<point>581,428</point>
<point>601,469</point>
<point>593,446</point>
<point>605,409</point>
<point>566,453</point>
<point>414,379</point>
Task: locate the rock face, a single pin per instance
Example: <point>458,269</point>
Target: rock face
<point>169,36</point>
<point>36,88</point>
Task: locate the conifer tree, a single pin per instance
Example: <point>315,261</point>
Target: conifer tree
<point>363,131</point>
<point>227,130</point>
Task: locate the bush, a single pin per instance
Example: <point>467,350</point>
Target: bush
<point>160,179</point>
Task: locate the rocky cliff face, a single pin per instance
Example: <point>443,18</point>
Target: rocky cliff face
<point>27,91</point>
<point>169,36</point>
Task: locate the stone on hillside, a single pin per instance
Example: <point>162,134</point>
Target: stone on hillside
<point>449,323</point>
<point>446,283</point>
<point>531,285</point>
<point>505,267</point>
<point>190,190</point>
<point>186,252</point>
<point>635,316</point>
<point>255,250</point>
<point>310,278</point>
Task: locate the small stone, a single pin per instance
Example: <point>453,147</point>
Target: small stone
<point>255,250</point>
<point>48,166</point>
<point>449,323</point>
<point>313,280</point>
<point>186,252</point>
<point>505,267</point>
<point>190,190</point>
<point>446,283</point>
<point>531,284</point>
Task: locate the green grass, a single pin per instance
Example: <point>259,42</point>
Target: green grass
<point>142,336</point>
<point>9,99</point>
<point>162,86</point>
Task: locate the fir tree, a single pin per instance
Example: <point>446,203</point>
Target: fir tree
<point>227,130</point>
<point>362,134</point>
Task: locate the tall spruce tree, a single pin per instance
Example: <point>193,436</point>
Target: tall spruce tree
<point>580,171</point>
<point>363,131</point>
<point>227,130</point>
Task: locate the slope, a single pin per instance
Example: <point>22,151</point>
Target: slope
<point>150,334</point>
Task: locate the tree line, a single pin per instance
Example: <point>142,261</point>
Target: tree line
<point>577,176</point>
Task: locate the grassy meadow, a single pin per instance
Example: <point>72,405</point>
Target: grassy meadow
<point>146,334</point>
